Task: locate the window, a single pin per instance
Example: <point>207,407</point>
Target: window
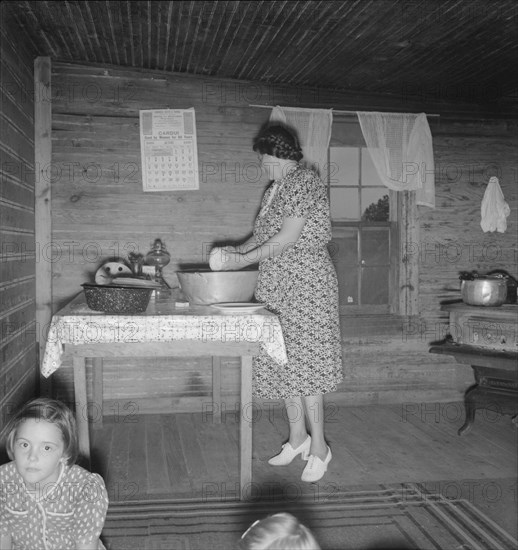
<point>371,226</point>
<point>360,213</point>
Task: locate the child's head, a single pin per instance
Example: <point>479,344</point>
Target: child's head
<point>278,532</point>
<point>38,413</point>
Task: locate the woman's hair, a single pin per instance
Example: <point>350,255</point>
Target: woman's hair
<point>52,411</point>
<point>278,532</point>
<point>279,142</point>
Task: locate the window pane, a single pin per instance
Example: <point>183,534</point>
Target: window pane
<point>344,253</point>
<point>344,246</point>
<point>369,172</point>
<point>345,163</point>
<point>375,289</point>
<point>375,246</point>
<point>345,203</point>
<point>375,204</point>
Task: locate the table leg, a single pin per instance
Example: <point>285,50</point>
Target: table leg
<point>98,392</point>
<point>81,406</point>
<point>245,426</point>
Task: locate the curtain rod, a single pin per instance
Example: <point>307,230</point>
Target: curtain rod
<point>339,112</point>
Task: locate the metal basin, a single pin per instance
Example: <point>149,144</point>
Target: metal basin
<point>488,291</point>
<point>204,287</point>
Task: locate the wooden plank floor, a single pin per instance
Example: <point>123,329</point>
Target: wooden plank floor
<point>186,456</point>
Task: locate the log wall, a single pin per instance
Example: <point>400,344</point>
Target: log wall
<point>18,363</point>
<point>99,210</point>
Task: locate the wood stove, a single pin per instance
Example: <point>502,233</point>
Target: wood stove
<point>487,339</point>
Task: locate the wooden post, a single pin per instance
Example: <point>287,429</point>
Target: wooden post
<point>409,267</point>
<point>79,364</point>
<point>245,427</point>
<point>42,204</point>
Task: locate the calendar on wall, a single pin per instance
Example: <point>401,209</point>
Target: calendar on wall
<point>169,150</point>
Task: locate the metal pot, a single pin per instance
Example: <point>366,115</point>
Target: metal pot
<point>484,291</point>
<point>210,287</point>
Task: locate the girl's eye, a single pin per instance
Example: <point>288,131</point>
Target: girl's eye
<point>23,444</point>
<point>48,448</point>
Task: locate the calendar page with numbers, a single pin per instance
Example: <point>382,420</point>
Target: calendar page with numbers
<point>169,150</point>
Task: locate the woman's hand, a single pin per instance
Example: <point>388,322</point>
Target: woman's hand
<point>226,259</point>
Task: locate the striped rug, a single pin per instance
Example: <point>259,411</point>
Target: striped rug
<point>402,517</point>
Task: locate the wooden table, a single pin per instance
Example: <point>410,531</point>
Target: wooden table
<point>163,331</point>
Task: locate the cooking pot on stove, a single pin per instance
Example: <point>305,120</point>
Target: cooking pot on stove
<point>483,290</point>
<point>512,284</point>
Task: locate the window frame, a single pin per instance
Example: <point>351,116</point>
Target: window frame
<point>403,234</point>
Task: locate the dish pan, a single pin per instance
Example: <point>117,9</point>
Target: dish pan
<point>117,299</point>
<point>238,307</point>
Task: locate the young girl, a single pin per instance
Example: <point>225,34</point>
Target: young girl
<point>278,532</point>
<point>46,501</point>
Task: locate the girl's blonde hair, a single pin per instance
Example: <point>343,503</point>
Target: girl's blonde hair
<point>52,411</point>
<point>278,532</point>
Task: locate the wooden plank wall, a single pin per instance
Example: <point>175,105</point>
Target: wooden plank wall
<point>18,372</point>
<point>99,210</point>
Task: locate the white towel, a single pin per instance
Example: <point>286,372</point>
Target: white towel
<point>494,209</point>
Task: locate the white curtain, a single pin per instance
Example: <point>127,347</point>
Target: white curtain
<point>313,127</point>
<point>400,145</point>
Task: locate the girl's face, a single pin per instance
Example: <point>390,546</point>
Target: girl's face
<point>38,452</point>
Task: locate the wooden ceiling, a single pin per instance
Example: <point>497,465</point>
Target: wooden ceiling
<point>454,50</point>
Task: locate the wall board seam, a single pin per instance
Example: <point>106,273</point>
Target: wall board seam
<point>7,119</point>
<point>7,178</point>
<point>5,285</point>
<point>5,400</point>
<point>16,360</point>
<point>18,334</point>
<point>6,149</point>
<point>22,305</point>
<point>16,231</point>
<point>16,206</point>
<point>19,131</point>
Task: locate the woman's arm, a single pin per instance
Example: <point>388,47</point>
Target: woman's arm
<point>286,237</point>
<point>6,542</point>
<point>249,244</point>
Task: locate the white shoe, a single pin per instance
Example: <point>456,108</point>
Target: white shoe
<point>288,453</point>
<point>316,468</point>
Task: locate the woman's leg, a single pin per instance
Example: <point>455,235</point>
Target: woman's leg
<point>314,405</point>
<point>297,420</point>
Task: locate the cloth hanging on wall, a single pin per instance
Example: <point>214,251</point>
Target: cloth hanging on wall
<point>313,127</point>
<point>494,209</point>
<point>400,145</point>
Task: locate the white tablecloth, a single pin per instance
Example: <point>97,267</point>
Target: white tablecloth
<point>162,322</point>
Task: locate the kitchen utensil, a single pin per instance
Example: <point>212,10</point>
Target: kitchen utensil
<point>204,287</point>
<point>117,299</point>
<point>484,291</point>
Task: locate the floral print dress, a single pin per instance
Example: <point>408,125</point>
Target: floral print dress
<point>301,287</point>
<point>71,511</point>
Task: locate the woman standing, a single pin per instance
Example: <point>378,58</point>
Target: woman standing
<point>297,281</point>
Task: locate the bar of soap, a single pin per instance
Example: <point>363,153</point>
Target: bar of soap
<point>181,305</point>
